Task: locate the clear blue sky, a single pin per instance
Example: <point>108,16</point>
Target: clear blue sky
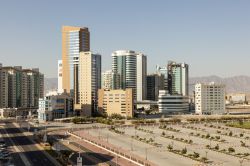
<point>212,36</point>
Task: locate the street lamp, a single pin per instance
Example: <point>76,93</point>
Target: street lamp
<point>131,144</point>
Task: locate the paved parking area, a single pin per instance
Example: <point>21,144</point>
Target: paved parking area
<point>162,156</point>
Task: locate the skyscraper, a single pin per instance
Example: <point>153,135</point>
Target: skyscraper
<point>155,83</point>
<point>163,71</point>
<point>59,77</point>
<point>74,40</point>
<point>178,78</point>
<point>141,76</point>
<point>89,82</point>
<point>132,70</point>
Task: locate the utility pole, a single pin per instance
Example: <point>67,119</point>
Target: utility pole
<point>131,144</point>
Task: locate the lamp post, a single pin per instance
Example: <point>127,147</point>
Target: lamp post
<point>131,144</point>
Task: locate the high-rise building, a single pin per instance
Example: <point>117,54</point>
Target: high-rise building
<point>20,88</point>
<point>141,76</point>
<point>110,80</point>
<point>116,102</point>
<point>132,70</point>
<point>209,98</point>
<point>59,77</point>
<point>74,41</point>
<point>163,72</point>
<point>178,78</point>
<point>155,83</point>
<point>89,82</point>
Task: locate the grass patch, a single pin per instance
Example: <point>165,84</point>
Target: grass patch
<point>243,125</point>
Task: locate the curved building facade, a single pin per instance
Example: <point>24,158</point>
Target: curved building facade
<point>172,103</point>
<point>132,70</point>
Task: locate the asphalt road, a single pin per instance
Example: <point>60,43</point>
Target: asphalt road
<point>34,155</point>
<point>96,155</point>
<point>16,159</point>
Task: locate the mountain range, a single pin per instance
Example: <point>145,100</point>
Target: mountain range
<point>233,84</point>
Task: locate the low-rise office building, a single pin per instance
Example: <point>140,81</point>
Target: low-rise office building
<point>116,102</point>
<point>8,112</point>
<point>55,107</point>
<point>209,98</point>
<point>236,98</point>
<point>172,104</point>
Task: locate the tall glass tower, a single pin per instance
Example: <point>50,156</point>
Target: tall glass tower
<point>132,70</point>
<point>74,40</point>
<point>177,78</point>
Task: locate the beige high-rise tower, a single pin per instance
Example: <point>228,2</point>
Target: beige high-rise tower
<point>74,40</point>
<point>89,82</point>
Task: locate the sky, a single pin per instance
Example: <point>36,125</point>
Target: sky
<point>212,36</point>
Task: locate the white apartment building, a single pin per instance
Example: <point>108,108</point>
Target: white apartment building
<point>209,98</point>
<point>59,77</point>
<point>110,80</point>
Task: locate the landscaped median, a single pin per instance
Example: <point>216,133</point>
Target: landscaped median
<point>113,129</point>
<point>230,151</point>
<point>163,134</point>
<point>149,141</point>
<point>144,130</point>
<point>183,152</point>
<point>164,127</point>
<point>208,137</point>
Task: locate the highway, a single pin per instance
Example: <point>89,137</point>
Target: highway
<point>29,153</point>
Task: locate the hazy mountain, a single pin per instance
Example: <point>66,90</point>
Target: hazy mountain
<point>50,84</point>
<point>233,84</point>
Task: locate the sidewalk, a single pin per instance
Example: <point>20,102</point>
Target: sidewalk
<point>124,154</point>
<point>113,158</point>
<point>77,149</point>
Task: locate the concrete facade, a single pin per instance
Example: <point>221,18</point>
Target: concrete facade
<point>89,83</point>
<point>20,88</point>
<point>55,107</point>
<point>209,98</point>
<point>59,77</point>
<point>171,104</point>
<point>116,102</point>
<point>110,80</point>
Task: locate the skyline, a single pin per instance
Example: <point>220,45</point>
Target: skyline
<point>200,34</point>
